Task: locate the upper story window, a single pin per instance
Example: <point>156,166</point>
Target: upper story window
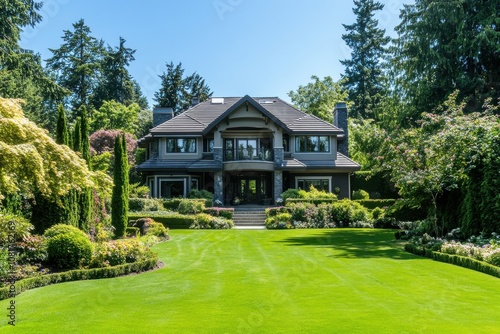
<point>312,144</point>
<point>286,143</point>
<point>208,145</point>
<point>181,145</point>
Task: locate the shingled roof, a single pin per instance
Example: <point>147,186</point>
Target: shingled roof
<point>203,117</point>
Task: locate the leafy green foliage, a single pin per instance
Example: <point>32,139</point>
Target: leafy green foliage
<point>113,115</point>
<point>177,91</point>
<point>187,207</point>
<point>145,204</point>
<point>11,224</point>
<point>69,251</point>
<point>360,194</point>
<point>443,46</point>
<point>118,252</point>
<point>319,97</point>
<point>63,229</point>
<point>76,63</point>
<point>363,72</point>
<point>119,200</point>
<point>206,221</point>
<point>441,155</point>
<point>31,160</point>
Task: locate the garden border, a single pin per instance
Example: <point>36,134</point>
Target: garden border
<point>462,261</point>
<point>79,274</point>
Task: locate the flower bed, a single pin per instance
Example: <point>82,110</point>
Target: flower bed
<point>478,253</point>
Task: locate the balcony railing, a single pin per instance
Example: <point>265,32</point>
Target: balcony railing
<point>242,154</point>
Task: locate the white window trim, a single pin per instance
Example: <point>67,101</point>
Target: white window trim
<point>329,178</point>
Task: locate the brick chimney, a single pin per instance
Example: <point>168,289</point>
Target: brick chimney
<point>161,115</point>
<point>340,121</point>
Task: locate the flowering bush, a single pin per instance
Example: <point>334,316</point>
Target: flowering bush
<point>476,247</point>
<point>206,221</point>
<point>118,252</point>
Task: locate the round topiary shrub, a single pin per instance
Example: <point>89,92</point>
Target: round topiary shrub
<point>360,195</point>
<point>158,229</point>
<point>69,250</point>
<point>190,207</point>
<point>63,229</point>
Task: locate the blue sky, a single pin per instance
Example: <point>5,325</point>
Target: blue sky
<point>254,47</point>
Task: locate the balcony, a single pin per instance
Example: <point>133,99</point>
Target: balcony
<point>249,154</point>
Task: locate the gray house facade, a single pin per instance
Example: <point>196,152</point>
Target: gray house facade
<point>248,148</point>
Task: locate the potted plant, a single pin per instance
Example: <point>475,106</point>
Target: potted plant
<point>236,201</point>
<point>250,152</point>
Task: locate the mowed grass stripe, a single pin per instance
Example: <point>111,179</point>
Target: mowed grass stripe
<point>293,281</point>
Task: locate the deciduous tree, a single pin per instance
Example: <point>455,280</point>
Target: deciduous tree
<point>319,97</point>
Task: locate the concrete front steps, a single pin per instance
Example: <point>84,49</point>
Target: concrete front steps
<point>246,217</point>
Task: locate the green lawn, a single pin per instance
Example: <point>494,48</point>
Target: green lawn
<point>286,281</point>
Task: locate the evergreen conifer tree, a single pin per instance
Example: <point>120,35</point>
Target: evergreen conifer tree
<point>119,199</point>
<point>62,135</point>
<point>363,74</point>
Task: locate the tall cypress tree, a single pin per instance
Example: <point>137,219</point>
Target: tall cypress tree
<point>77,136</point>
<point>62,133</point>
<point>84,135</point>
<point>119,199</point>
<point>363,74</point>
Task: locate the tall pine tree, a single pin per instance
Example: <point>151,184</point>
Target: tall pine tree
<point>119,199</point>
<point>76,63</point>
<point>443,47</point>
<point>178,90</point>
<point>363,74</point>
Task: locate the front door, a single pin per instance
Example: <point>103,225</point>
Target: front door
<point>249,188</point>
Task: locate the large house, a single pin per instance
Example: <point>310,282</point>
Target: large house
<point>247,148</point>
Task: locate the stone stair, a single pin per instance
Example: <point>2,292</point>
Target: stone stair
<point>249,218</point>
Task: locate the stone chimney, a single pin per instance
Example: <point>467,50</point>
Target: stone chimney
<point>161,115</point>
<point>340,121</point>
<point>195,100</point>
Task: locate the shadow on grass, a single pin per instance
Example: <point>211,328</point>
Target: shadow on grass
<point>355,243</point>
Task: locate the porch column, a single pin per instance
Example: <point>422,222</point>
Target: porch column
<point>278,184</point>
<point>218,187</point>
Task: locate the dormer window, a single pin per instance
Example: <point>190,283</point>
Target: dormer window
<point>313,144</point>
<point>181,145</point>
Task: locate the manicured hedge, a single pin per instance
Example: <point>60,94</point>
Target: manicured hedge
<point>168,219</point>
<point>376,203</point>
<point>458,260</point>
<point>145,204</point>
<point>77,275</point>
<point>173,203</point>
<point>220,212</point>
<point>317,201</point>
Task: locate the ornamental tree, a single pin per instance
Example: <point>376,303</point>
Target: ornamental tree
<point>32,161</point>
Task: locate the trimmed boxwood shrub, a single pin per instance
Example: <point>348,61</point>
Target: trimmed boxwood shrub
<point>75,275</point>
<point>458,260</point>
<point>168,219</point>
<point>206,221</point>
<point>360,195</point>
<point>145,204</point>
<point>190,207</point>
<point>58,229</point>
<point>376,203</point>
<point>157,229</point>
<point>220,212</point>
<point>317,201</point>
<point>173,203</point>
<point>120,251</point>
<point>279,209</point>
<point>132,232</point>
<point>280,221</point>
<point>69,251</point>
